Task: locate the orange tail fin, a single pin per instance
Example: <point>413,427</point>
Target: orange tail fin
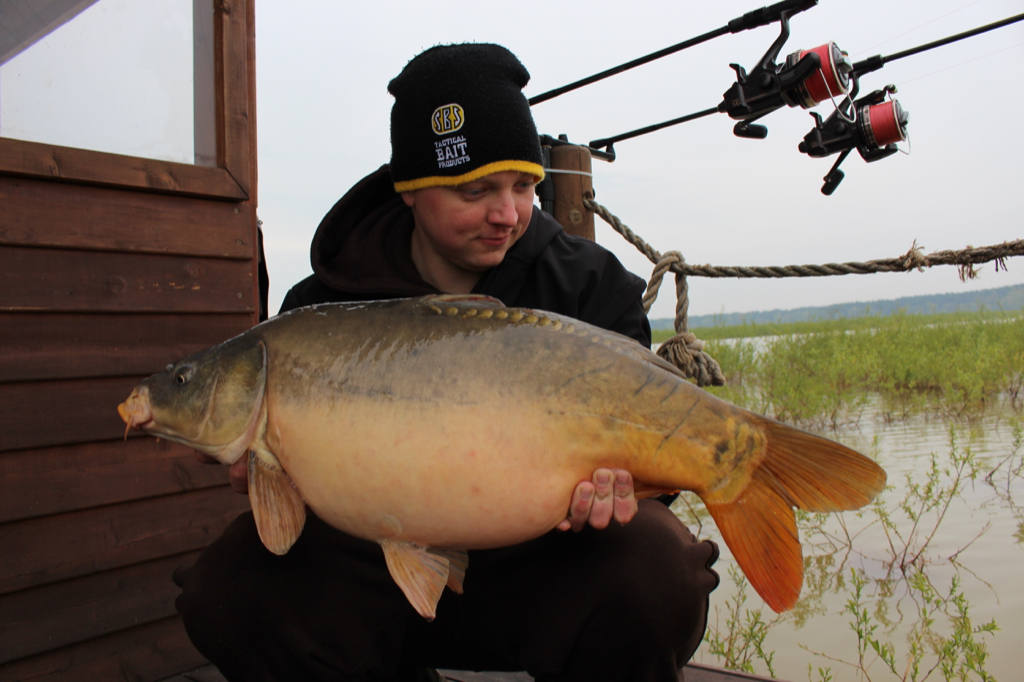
<point>800,470</point>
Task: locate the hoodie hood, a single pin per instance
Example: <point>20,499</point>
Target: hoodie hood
<point>362,245</point>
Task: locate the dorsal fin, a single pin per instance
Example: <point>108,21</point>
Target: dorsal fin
<point>461,298</point>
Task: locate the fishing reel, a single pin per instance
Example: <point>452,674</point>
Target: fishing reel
<point>805,79</point>
<point>873,126</point>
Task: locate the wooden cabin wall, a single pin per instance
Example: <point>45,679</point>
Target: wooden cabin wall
<point>110,268</point>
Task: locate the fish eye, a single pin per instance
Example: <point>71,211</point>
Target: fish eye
<point>183,375</point>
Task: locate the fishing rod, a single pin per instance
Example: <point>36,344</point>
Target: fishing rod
<point>769,86</point>
<point>750,20</point>
<point>872,125</point>
<point>608,142</point>
<point>878,61</point>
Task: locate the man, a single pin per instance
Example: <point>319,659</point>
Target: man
<point>453,213</point>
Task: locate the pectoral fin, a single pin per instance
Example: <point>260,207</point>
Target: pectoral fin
<point>276,503</point>
<point>422,573</point>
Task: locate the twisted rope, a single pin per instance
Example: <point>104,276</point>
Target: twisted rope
<point>913,259</point>
<point>686,351</point>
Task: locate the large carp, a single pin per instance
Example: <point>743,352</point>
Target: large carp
<point>448,423</point>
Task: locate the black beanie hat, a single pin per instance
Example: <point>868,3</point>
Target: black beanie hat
<point>460,114</point>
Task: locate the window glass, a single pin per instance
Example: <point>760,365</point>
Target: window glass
<point>122,76</point>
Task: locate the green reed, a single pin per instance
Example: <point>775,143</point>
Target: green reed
<point>828,372</point>
<point>959,656</point>
<point>739,642</point>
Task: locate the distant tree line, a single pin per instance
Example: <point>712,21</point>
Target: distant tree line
<point>1003,298</point>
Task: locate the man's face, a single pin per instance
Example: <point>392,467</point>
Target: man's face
<point>462,231</point>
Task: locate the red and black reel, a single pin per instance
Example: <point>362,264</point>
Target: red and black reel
<point>831,80</point>
<point>883,124</point>
<point>806,79</point>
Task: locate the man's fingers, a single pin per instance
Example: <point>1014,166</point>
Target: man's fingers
<point>625,497</point>
<point>579,508</point>
<point>609,495</point>
<point>604,505</point>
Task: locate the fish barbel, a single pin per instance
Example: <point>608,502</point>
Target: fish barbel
<point>447,423</point>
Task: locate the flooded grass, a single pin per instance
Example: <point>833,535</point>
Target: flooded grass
<point>951,365</point>
<point>922,584</point>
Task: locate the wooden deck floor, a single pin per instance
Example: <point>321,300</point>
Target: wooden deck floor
<point>693,672</point>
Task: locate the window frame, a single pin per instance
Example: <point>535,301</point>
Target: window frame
<point>233,38</point>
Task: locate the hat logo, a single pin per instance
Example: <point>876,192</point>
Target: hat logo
<point>447,119</point>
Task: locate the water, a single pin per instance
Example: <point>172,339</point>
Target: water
<point>978,540</point>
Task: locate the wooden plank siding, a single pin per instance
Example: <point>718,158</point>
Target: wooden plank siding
<point>65,280</point>
<point>111,267</point>
<point>79,345</point>
<point>94,474</point>
<point>123,221</point>
<point>83,542</point>
<point>72,611</point>
<point>49,413</point>
<point>151,651</point>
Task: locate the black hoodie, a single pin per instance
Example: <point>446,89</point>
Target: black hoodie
<point>362,251</point>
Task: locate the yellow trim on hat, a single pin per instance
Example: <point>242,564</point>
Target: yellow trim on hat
<point>534,169</point>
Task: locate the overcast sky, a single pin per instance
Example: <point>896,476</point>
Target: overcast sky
<point>323,68</point>
<point>323,117</point>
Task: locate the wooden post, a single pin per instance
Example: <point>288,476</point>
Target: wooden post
<point>571,188</point>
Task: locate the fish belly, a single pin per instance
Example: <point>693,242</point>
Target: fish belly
<point>468,477</point>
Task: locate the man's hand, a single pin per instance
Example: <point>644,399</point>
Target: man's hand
<point>609,495</point>
<point>238,474</point>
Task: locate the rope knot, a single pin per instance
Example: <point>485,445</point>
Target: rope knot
<point>686,351</point>
<point>663,264</point>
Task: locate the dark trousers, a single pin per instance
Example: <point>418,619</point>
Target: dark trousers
<point>625,603</point>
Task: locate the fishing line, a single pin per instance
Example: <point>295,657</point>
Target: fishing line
<point>878,61</point>
<point>832,78</point>
<point>886,42</point>
<point>954,66</point>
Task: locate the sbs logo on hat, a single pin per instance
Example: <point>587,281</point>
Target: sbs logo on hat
<point>447,119</point>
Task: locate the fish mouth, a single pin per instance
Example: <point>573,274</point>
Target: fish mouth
<point>135,411</point>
